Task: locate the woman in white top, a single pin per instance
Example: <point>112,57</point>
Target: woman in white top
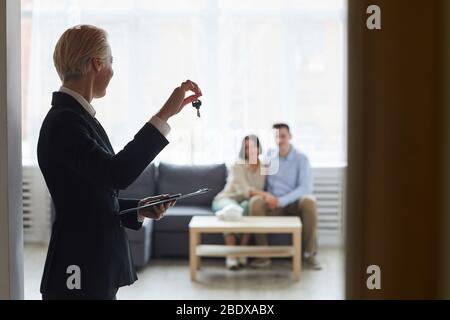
<point>245,180</point>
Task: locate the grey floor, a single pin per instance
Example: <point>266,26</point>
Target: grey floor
<point>169,279</point>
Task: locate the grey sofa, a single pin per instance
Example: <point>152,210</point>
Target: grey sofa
<point>169,237</point>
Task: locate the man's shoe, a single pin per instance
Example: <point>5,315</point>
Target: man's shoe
<point>312,263</point>
<point>232,263</point>
<point>260,263</point>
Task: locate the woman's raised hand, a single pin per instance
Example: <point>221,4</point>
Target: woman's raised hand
<point>178,99</point>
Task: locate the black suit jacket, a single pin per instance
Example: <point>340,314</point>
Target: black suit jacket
<point>83,175</point>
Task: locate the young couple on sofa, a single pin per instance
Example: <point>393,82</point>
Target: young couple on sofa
<point>286,192</point>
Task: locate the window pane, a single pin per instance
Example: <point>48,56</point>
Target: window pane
<point>257,62</point>
<point>250,4</point>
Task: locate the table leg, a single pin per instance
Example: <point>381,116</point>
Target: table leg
<point>296,259</point>
<point>193,259</point>
<point>199,259</point>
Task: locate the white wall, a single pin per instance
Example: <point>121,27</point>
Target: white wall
<point>11,234</point>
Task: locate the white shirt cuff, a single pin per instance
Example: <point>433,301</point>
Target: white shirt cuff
<point>161,125</point>
<point>140,218</point>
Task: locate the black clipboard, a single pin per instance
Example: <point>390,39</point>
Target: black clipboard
<point>173,197</point>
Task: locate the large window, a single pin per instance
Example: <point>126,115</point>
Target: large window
<point>257,61</point>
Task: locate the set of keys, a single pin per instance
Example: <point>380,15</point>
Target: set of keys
<point>197,104</point>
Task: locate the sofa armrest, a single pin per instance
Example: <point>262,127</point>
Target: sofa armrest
<point>141,243</point>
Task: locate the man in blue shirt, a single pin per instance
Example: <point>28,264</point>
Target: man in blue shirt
<point>289,193</point>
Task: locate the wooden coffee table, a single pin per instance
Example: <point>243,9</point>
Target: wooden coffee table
<point>211,224</point>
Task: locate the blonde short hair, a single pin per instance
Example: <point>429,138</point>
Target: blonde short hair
<point>75,49</point>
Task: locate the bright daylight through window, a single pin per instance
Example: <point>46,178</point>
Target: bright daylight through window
<point>277,61</point>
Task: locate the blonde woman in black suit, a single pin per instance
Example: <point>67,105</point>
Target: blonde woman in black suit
<point>89,256</point>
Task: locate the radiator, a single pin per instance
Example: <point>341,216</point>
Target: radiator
<point>329,189</point>
<point>36,206</point>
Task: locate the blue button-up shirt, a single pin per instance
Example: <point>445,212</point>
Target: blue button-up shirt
<point>292,180</point>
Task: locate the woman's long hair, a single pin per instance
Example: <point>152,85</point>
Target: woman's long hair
<point>253,138</point>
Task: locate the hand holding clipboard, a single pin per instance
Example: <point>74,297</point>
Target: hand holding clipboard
<point>171,198</point>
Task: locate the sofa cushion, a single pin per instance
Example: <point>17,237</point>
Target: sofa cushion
<point>185,179</point>
<point>177,218</point>
<point>144,186</point>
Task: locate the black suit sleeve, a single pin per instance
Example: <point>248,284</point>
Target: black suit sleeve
<point>129,220</point>
<point>79,151</point>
